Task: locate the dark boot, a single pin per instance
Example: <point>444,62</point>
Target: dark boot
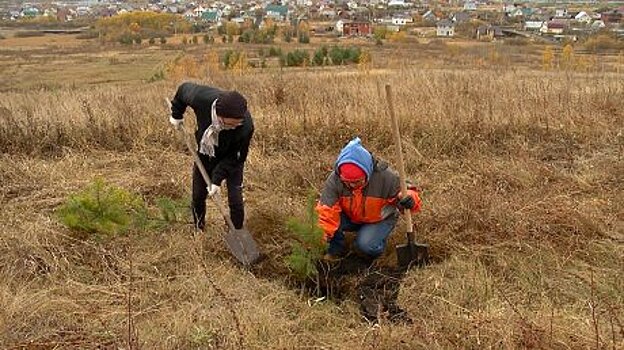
<point>199,215</point>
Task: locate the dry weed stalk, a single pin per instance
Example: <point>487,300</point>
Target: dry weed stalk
<point>228,303</point>
<point>592,306</point>
<point>133,336</point>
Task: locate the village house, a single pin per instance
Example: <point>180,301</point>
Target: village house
<point>198,11</point>
<point>63,15</point>
<point>489,33</point>
<point>515,12</point>
<point>82,11</point>
<point>29,12</point>
<point>400,20</point>
<point>460,17</point>
<point>347,27</point>
<point>583,17</point>
<point>507,8</point>
<point>14,14</point>
<point>613,16</point>
<point>552,27</point>
<point>470,6</point>
<point>277,12</point>
<point>445,28</point>
<point>304,3</point>
<point>561,13</point>
<point>352,5</point>
<point>398,3</point>
<point>599,24</point>
<point>50,12</point>
<point>327,13</point>
<point>212,16</point>
<point>429,16</point>
<point>533,26</point>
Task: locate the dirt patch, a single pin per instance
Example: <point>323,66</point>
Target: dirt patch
<point>373,284</point>
<point>375,288</point>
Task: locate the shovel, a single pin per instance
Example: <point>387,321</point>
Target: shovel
<point>411,252</point>
<point>239,242</point>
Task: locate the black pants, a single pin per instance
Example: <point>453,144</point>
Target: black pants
<point>234,181</point>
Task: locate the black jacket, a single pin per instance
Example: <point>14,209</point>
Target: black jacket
<point>233,144</point>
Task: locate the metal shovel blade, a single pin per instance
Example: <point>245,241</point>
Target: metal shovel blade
<point>412,254</point>
<point>242,245</point>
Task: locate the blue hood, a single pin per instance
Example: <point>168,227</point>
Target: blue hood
<point>355,153</point>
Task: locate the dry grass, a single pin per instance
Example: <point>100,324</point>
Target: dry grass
<point>522,182</point>
<point>14,42</point>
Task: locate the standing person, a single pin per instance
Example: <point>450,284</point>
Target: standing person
<point>361,195</point>
<point>224,131</point>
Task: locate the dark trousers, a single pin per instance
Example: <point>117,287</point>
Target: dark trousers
<point>234,182</point>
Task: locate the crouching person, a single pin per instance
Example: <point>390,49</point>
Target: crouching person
<point>361,195</point>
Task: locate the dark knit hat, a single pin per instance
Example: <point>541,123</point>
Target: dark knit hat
<point>231,104</point>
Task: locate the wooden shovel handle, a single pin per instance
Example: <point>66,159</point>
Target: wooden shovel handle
<point>397,140</point>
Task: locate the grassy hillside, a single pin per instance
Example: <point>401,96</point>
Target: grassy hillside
<point>521,172</point>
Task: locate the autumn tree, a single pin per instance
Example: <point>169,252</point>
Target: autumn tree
<point>567,57</point>
<point>548,58</point>
<point>142,24</point>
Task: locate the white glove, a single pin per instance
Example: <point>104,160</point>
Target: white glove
<point>213,189</point>
<point>177,123</point>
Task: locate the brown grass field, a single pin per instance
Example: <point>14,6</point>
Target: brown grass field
<point>521,170</point>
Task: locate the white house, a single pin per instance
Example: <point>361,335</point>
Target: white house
<point>393,29</point>
<point>399,20</point>
<point>83,10</point>
<point>328,13</point>
<point>226,10</point>
<point>583,17</point>
<point>509,7</point>
<point>599,24</point>
<point>533,25</point>
<point>51,12</point>
<point>340,26</point>
<point>561,13</point>
<point>552,28</point>
<point>470,6</point>
<point>445,28</point>
<point>398,3</point>
<point>198,11</point>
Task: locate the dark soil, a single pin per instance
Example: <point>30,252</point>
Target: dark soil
<point>374,287</point>
<point>372,284</point>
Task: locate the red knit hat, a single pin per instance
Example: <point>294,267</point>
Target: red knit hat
<point>351,172</point>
